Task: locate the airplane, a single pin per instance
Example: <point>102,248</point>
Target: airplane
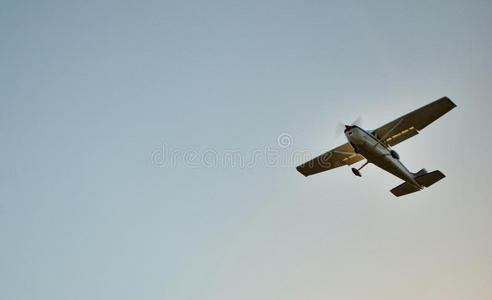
<point>376,147</point>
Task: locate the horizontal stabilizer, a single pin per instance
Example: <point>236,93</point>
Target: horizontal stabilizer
<point>423,178</point>
<point>430,178</point>
<point>404,189</point>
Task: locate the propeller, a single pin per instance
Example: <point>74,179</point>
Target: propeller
<point>357,122</point>
<point>340,128</point>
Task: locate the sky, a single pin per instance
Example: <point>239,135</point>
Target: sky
<point>148,150</point>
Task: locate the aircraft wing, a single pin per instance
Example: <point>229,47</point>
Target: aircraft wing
<point>410,124</point>
<point>340,156</point>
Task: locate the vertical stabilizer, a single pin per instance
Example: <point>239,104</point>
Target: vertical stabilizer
<point>420,173</point>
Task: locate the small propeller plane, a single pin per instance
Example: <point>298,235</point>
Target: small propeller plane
<point>375,147</point>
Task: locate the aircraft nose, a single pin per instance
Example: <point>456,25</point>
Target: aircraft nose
<point>347,127</point>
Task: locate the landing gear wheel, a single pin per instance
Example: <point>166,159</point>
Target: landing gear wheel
<point>356,172</point>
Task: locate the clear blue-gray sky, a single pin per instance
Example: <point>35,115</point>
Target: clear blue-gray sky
<point>123,125</point>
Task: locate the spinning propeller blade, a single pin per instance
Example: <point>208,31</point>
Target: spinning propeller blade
<point>341,127</point>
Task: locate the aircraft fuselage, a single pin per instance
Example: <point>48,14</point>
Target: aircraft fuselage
<point>378,154</point>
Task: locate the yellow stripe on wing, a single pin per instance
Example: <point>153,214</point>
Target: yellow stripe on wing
<point>349,157</point>
<point>400,133</point>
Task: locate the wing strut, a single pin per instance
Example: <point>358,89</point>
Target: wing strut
<point>391,130</point>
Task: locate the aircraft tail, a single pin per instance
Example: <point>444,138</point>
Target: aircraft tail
<point>429,179</point>
<point>423,178</point>
<point>420,173</point>
<point>404,189</point>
